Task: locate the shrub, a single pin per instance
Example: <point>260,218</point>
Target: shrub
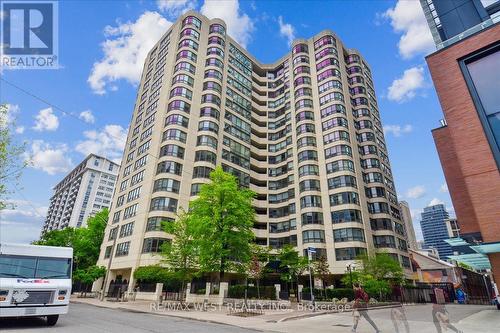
<point>238,291</point>
<point>157,274</point>
<point>200,291</point>
<point>340,293</point>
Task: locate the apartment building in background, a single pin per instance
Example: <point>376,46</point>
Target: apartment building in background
<point>465,73</point>
<point>304,133</point>
<point>87,189</point>
<point>435,231</point>
<point>453,228</point>
<point>408,222</point>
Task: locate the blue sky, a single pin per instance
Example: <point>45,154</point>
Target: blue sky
<point>101,49</point>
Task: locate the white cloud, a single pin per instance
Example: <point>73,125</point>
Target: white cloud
<point>443,188</point>
<point>239,25</point>
<point>46,120</point>
<point>174,8</point>
<point>408,18</point>
<point>286,30</point>
<point>435,201</point>
<point>108,142</point>
<point>405,88</point>
<point>125,49</point>
<point>416,192</point>
<point>48,158</point>
<point>397,130</point>
<point>87,116</point>
<point>19,129</point>
<point>23,223</point>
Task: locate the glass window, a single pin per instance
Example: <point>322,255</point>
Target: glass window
<point>348,235</point>
<point>349,253</point>
<point>346,215</point>
<point>484,74</point>
<point>165,204</point>
<point>313,236</point>
<point>153,245</point>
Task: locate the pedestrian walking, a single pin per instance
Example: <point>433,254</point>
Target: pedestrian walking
<point>398,315</point>
<point>441,319</point>
<point>360,308</point>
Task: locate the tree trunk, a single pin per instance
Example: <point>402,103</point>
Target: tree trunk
<point>258,289</point>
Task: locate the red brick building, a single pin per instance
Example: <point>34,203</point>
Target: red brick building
<point>466,74</point>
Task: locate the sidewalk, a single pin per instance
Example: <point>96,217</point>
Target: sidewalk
<point>214,314</point>
<point>468,318</point>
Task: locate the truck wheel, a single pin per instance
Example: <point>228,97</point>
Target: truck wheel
<point>52,320</point>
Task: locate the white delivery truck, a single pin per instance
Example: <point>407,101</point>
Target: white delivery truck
<point>35,281</point>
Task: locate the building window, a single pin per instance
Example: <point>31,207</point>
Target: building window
<point>349,253</point>
<point>155,223</point>
<point>202,172</point>
<point>310,201</point>
<point>166,184</point>
<point>348,235</point>
<point>153,245</point>
<point>384,241</point>
<point>107,252</point>
<point>344,198</point>
<point>481,74</point>
<point>172,150</point>
<point>112,233</point>
<point>313,236</point>
<point>346,215</point>
<point>163,204</point>
<point>169,167</point>
<point>122,249</point>
<point>126,229</point>
<point>312,218</point>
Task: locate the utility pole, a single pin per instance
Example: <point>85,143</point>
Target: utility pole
<point>109,263</point>
<point>349,268</point>
<point>310,251</point>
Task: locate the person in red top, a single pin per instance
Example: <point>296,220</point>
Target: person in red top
<point>360,307</point>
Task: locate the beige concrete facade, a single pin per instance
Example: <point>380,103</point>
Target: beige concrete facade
<point>304,133</point>
<point>408,222</point>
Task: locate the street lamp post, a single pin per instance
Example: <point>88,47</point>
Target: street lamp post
<point>109,264</point>
<point>310,251</point>
<point>349,268</point>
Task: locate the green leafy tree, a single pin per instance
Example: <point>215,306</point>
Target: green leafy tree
<point>293,263</point>
<point>222,218</point>
<point>181,254</point>
<point>88,276</point>
<point>59,237</point>
<point>257,265</point>
<point>321,269</point>
<point>86,242</point>
<point>11,156</point>
<point>377,273</point>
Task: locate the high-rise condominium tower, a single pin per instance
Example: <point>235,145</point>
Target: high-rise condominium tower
<point>304,133</point>
<point>435,231</point>
<point>87,189</point>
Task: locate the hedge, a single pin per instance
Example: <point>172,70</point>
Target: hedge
<point>157,274</point>
<point>238,291</point>
<point>339,293</point>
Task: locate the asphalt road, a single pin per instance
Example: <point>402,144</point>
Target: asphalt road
<point>85,318</point>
